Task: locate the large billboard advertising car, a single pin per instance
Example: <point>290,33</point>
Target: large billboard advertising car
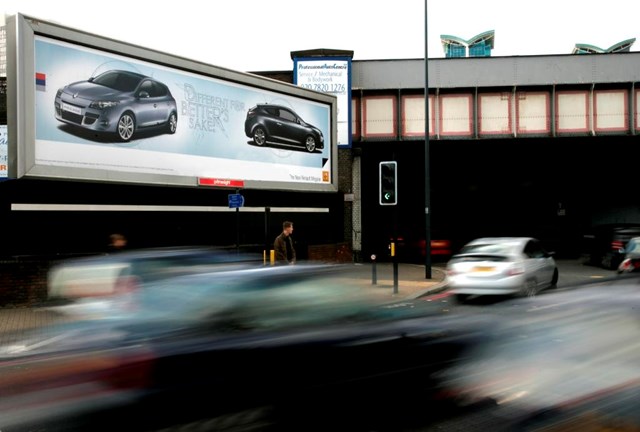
<point>91,108</point>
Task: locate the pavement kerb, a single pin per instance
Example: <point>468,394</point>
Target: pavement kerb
<point>411,282</point>
<point>437,287</point>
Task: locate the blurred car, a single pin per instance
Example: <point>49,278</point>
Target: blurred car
<point>282,347</point>
<point>501,266</point>
<point>631,260</point>
<point>276,124</point>
<point>561,362</point>
<point>601,246</point>
<point>104,285</point>
<point>411,249</point>
<point>118,102</point>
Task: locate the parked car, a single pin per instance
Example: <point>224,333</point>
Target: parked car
<point>276,124</point>
<point>118,102</point>
<point>413,250</point>
<point>602,244</point>
<point>631,260</point>
<point>292,347</point>
<point>501,266</point>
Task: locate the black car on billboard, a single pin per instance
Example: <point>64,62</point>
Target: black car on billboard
<point>118,102</point>
<point>279,125</point>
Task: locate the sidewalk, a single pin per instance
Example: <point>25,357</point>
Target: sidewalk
<point>412,284</point>
<point>411,280</point>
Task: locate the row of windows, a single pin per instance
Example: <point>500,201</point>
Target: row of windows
<point>496,114</point>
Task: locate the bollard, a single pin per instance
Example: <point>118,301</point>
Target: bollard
<point>374,275</point>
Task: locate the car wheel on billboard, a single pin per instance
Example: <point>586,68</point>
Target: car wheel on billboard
<point>259,136</point>
<point>172,124</point>
<point>310,144</point>
<point>126,126</point>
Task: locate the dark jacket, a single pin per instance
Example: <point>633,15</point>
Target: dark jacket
<point>280,248</point>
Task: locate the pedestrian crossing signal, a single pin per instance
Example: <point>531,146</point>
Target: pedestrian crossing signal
<point>388,183</point>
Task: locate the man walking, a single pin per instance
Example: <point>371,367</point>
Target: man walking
<point>285,252</point>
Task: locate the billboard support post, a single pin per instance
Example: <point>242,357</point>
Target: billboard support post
<point>237,226</point>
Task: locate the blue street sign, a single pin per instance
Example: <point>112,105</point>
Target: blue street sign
<point>236,200</point>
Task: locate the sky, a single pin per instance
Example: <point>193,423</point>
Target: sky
<point>259,35</point>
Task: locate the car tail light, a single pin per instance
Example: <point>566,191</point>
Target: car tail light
<point>617,245</point>
<point>440,247</point>
<point>625,265</point>
<point>514,270</point>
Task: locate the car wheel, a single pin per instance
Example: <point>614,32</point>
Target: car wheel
<point>126,126</point>
<point>172,124</point>
<point>530,288</point>
<point>461,298</point>
<point>259,136</point>
<point>310,144</point>
<point>554,279</point>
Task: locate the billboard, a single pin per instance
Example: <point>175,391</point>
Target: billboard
<point>90,108</point>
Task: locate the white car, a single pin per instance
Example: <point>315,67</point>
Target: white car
<point>501,266</point>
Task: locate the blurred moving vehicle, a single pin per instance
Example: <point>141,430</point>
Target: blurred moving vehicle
<point>601,246</point>
<point>631,260</point>
<point>276,124</point>
<point>561,362</point>
<point>501,266</point>
<point>104,285</point>
<point>300,347</point>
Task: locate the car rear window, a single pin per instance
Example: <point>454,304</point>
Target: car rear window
<point>490,248</point>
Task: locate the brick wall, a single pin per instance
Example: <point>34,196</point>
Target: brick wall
<point>332,253</point>
<point>23,281</point>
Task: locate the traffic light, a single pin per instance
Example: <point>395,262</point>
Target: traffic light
<point>388,184</point>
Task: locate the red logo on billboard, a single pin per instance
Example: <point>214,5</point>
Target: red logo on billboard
<point>220,182</point>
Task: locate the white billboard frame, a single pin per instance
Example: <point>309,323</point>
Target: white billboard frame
<point>271,167</point>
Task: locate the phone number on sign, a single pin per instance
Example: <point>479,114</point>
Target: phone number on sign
<point>325,87</point>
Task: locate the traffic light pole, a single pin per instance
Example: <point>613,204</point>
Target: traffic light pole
<point>388,195</point>
<point>395,255</point>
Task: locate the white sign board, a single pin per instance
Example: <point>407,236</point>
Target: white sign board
<point>330,75</point>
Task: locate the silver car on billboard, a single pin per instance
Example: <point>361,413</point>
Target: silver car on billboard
<point>117,102</point>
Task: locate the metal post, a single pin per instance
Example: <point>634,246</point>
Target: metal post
<point>267,245</point>
<point>394,252</point>
<point>427,184</point>
<point>237,227</point>
<point>374,272</point>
